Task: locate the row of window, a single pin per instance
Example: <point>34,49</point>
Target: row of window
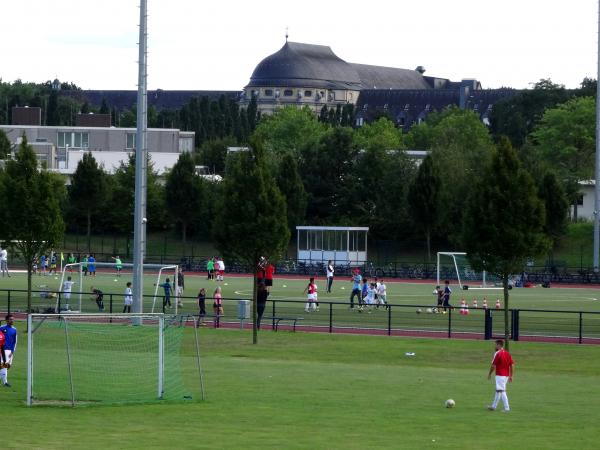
<point>77,139</point>
<point>287,93</point>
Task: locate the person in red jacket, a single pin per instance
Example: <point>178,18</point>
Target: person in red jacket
<point>503,365</point>
<point>269,272</point>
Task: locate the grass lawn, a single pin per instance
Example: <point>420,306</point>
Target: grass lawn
<point>320,391</point>
<point>290,302</point>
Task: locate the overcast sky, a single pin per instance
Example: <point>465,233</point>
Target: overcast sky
<point>215,45</point>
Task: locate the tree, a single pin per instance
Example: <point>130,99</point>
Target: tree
<point>424,199</point>
<point>87,193</point>
<point>182,192</point>
<point>504,220</point>
<point>557,207</point>
<point>252,222</point>
<point>565,137</point>
<point>52,114</point>
<point>517,116</point>
<point>460,145</point>
<point>291,186</point>
<point>104,109</point>
<point>4,145</point>
<point>30,208</point>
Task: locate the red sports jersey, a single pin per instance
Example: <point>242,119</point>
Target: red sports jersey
<point>2,339</point>
<point>269,271</point>
<point>502,360</point>
<point>312,288</point>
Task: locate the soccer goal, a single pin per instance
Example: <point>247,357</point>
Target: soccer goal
<point>108,358</point>
<point>454,265</point>
<point>106,279</point>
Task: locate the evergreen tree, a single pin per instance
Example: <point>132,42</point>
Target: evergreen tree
<point>104,109</point>
<point>252,222</point>
<point>557,207</point>
<point>88,191</point>
<point>424,199</point>
<point>52,114</point>
<point>182,193</point>
<point>85,108</point>
<point>253,114</point>
<point>504,220</point>
<point>291,186</point>
<point>30,208</point>
<point>4,145</point>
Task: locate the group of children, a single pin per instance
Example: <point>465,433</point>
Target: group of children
<point>217,304</point>
<point>369,294</point>
<point>215,268</point>
<point>47,265</point>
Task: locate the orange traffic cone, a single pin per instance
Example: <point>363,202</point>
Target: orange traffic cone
<point>485,305</point>
<point>498,303</point>
<point>475,303</point>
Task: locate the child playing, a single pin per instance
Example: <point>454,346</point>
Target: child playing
<point>311,291</point>
<point>118,264</point>
<point>217,305</point>
<point>201,305</point>
<point>3,361</point>
<point>127,298</point>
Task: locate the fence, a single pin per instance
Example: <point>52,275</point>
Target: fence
<point>338,317</point>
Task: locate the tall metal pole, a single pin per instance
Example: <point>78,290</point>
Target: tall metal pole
<point>597,169</point>
<point>139,216</point>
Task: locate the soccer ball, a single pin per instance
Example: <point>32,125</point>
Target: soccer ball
<point>419,311</point>
<point>429,310</point>
<point>450,403</point>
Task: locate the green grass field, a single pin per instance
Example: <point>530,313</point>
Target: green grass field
<point>321,391</point>
<point>289,302</point>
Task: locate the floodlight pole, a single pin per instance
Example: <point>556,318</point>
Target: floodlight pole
<point>597,168</point>
<point>139,216</point>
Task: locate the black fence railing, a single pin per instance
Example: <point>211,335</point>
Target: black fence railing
<point>336,317</point>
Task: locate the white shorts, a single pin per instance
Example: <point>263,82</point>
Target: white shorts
<point>501,383</point>
<point>312,297</point>
<point>9,356</point>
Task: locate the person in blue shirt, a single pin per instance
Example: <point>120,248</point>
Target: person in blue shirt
<point>168,288</point>
<point>446,297</point>
<point>10,344</point>
<point>91,264</point>
<point>356,279</point>
<point>363,294</point>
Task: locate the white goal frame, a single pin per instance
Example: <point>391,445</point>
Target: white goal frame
<point>79,265</point>
<point>134,318</point>
<point>91,316</point>
<point>453,255</point>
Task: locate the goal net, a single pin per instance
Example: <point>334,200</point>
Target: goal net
<point>454,266</point>
<point>111,358</point>
<point>75,297</point>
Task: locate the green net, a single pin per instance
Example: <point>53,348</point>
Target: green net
<point>107,360</point>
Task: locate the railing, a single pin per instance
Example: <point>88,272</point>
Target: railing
<point>336,317</point>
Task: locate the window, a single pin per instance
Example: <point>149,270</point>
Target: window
<point>130,141</point>
<point>73,140</point>
<point>288,93</point>
<point>269,92</point>
<point>579,199</point>
<point>308,93</point>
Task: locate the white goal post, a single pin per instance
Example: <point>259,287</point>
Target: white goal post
<point>468,274</point>
<point>68,269</point>
<point>109,358</point>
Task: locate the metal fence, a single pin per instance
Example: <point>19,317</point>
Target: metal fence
<point>339,317</point>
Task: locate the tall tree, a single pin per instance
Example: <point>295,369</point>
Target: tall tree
<point>557,207</point>
<point>290,184</point>
<point>52,113</point>
<point>424,199</point>
<point>182,192</point>
<point>504,220</point>
<point>252,222</point>
<point>4,145</point>
<point>30,208</point>
<point>87,192</point>
<point>104,109</point>
<point>566,138</point>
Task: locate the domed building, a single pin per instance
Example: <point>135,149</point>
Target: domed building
<point>305,74</point>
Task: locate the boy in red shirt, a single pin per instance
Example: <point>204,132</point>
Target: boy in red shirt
<point>503,364</point>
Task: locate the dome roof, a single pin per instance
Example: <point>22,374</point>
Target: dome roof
<point>305,65</point>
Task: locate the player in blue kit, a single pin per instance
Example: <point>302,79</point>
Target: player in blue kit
<point>10,344</point>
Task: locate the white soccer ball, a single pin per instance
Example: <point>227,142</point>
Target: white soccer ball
<point>144,220</point>
<point>419,311</point>
<point>429,310</point>
<point>284,285</point>
<point>450,403</point>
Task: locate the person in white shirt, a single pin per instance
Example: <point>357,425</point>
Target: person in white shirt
<point>127,298</point>
<point>220,269</point>
<point>4,262</point>
<point>66,291</point>
<point>381,294</point>
<point>330,270</point>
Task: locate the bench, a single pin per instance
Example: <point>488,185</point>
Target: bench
<point>276,319</point>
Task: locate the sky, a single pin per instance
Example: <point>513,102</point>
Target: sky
<point>215,45</point>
